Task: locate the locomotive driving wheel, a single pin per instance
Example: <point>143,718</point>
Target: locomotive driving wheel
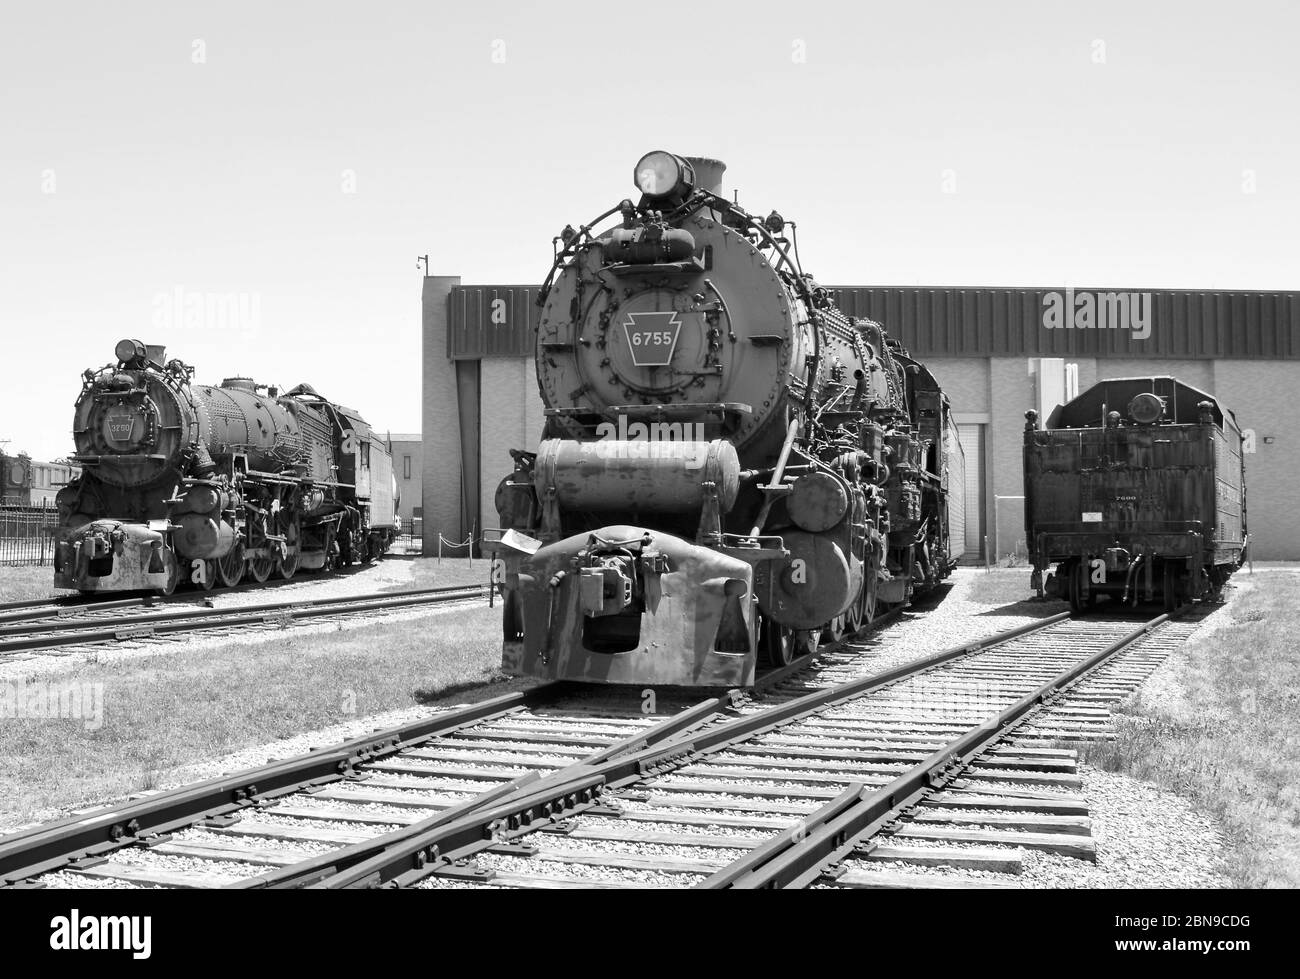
<point>230,569</point>
<point>835,630</point>
<point>853,617</point>
<point>260,568</point>
<point>775,642</point>
<point>863,609</point>
<point>173,577</point>
<point>781,646</point>
<point>287,566</point>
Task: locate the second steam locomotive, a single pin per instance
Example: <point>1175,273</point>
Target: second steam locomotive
<point>184,482</point>
<point>731,467</point>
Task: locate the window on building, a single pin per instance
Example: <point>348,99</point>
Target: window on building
<point>406,467</point>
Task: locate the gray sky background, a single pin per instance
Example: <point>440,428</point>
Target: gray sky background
<point>1102,144</point>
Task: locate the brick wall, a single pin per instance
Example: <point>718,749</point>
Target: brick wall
<point>440,424</point>
<point>1264,396</point>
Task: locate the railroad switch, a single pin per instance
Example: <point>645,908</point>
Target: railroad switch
<point>561,827</point>
<point>514,849</point>
<point>156,839</point>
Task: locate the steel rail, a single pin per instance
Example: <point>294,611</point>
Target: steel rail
<point>325,864</point>
<point>104,599</point>
<point>56,609</point>
<point>54,846</point>
<point>60,633</point>
<point>799,856</point>
<point>61,600</point>
<point>84,839</point>
<point>413,856</point>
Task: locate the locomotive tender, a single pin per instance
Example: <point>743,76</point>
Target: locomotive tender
<point>1136,489</point>
<point>186,482</point>
<point>730,467</point>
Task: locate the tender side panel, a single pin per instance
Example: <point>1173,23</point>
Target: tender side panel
<point>383,509</point>
<point>1228,535</point>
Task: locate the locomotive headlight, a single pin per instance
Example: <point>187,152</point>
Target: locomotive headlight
<point>661,174</point>
<point>128,350</point>
<point>1146,409</point>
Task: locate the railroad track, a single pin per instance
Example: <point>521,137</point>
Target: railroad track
<point>40,631</point>
<point>934,773</point>
<point>32,608</point>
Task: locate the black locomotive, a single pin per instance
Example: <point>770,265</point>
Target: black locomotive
<point>184,482</point>
<point>731,466</point>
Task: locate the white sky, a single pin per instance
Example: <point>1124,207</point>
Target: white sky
<point>1098,144</point>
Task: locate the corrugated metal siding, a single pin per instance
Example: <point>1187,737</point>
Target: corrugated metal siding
<point>1009,322</point>
<point>492,321</point>
<point>939,322</point>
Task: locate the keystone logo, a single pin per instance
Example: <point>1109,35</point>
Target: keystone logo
<point>652,337</point>
<point>120,427</point>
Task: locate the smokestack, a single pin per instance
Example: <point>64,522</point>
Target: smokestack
<point>708,173</point>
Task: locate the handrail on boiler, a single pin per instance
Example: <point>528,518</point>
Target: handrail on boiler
<point>778,476</point>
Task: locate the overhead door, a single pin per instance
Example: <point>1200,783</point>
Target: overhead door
<point>972,443</point>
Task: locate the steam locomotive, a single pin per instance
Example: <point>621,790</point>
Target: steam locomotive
<point>731,468</point>
<point>183,482</point>
<point>1135,490</point>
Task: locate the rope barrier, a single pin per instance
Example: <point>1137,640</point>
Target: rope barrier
<point>467,542</point>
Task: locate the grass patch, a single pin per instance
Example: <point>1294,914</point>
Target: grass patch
<point>174,709</point>
<point>1230,740</point>
<point>428,572</point>
<point>28,583</point>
